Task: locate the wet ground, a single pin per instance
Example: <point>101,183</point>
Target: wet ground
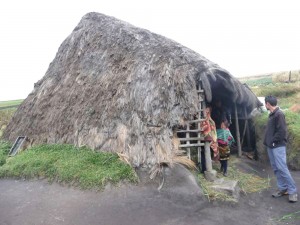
<point>37,202</point>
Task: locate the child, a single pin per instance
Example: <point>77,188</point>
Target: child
<point>225,139</point>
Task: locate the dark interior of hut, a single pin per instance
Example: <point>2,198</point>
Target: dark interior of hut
<point>223,108</point>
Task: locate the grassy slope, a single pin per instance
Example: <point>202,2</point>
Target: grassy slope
<point>7,109</point>
<point>288,95</point>
<point>5,116</point>
<point>4,149</point>
<point>66,164</point>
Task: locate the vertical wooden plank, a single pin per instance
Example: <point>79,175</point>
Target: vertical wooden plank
<point>238,141</point>
<point>188,142</point>
<point>248,132</point>
<point>199,123</point>
<point>199,141</point>
<point>207,157</point>
<point>244,132</point>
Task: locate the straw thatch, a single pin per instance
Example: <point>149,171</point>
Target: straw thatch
<point>116,87</point>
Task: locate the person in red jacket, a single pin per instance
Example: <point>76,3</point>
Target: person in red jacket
<point>275,140</point>
<point>210,134</point>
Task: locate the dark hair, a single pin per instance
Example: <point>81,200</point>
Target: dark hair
<point>226,123</point>
<point>220,120</point>
<point>271,99</point>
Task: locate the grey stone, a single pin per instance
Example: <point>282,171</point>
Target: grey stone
<point>210,175</point>
<point>229,187</point>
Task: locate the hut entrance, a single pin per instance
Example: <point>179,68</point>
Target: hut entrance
<point>223,108</point>
<point>192,140</point>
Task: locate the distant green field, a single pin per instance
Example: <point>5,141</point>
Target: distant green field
<point>10,104</point>
<point>257,81</point>
<point>260,82</point>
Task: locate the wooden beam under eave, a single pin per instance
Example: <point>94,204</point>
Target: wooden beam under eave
<point>238,141</point>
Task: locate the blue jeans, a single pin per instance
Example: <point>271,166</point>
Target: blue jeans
<point>277,158</point>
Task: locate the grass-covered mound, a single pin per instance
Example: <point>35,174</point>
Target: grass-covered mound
<point>288,100</point>
<point>66,164</point>
<point>5,116</point>
<point>4,149</point>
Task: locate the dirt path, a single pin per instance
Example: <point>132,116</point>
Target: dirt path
<point>37,202</point>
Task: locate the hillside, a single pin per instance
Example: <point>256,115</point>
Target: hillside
<point>283,76</point>
<point>7,109</point>
<point>286,87</point>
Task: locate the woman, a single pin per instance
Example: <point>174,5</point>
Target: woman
<point>210,134</point>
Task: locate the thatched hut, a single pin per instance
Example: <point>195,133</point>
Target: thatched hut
<point>115,87</point>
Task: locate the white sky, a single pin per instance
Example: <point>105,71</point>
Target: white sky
<point>244,37</point>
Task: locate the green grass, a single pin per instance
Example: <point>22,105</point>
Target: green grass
<point>4,149</point>
<point>262,119</point>
<point>295,216</point>
<point>259,81</point>
<point>287,93</point>
<point>5,117</point>
<point>7,109</point>
<point>288,100</point>
<point>293,125</point>
<point>280,90</point>
<point>11,103</point>
<point>67,164</point>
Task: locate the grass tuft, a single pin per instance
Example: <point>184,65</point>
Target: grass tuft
<point>290,217</point>
<point>248,183</point>
<point>68,164</point>
<point>4,149</point>
<point>5,117</point>
<point>211,193</point>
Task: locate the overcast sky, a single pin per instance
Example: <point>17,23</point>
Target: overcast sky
<point>244,37</point>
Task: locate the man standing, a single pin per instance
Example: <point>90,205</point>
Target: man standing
<point>275,140</point>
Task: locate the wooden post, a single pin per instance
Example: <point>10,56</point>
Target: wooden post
<point>245,126</point>
<point>188,141</point>
<point>238,142</point>
<point>248,131</point>
<point>199,134</point>
<point>244,132</point>
<point>207,156</point>
<point>201,115</point>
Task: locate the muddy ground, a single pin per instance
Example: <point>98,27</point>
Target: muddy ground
<point>37,202</point>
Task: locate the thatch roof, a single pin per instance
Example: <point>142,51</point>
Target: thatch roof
<point>116,87</point>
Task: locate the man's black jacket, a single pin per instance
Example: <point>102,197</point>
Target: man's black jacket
<point>276,131</point>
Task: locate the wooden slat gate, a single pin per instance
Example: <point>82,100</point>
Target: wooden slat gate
<point>193,137</point>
